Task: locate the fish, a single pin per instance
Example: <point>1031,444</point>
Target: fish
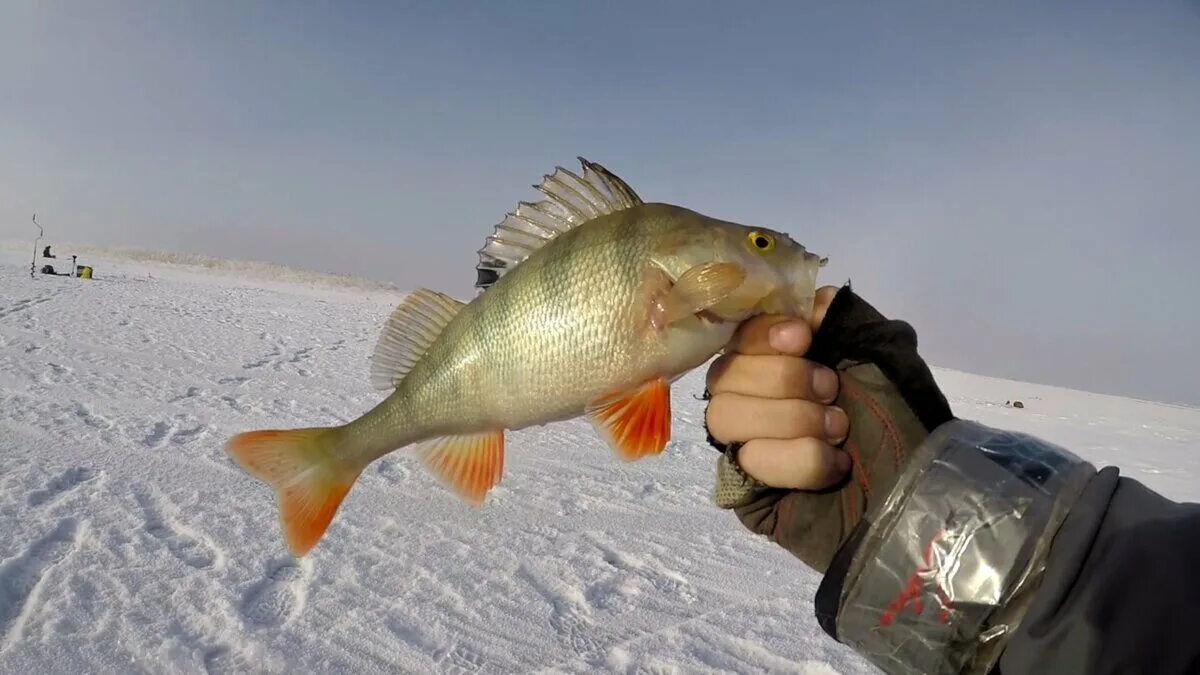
<point>590,302</point>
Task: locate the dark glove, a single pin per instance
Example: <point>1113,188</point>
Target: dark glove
<point>893,404</point>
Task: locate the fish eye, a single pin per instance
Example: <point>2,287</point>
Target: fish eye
<point>761,241</point>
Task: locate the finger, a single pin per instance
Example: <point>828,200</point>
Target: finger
<point>772,334</point>
<point>738,418</point>
<point>821,305</point>
<point>772,377</point>
<point>797,464</point>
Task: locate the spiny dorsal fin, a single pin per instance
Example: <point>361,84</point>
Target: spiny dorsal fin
<point>409,331</point>
<point>571,200</point>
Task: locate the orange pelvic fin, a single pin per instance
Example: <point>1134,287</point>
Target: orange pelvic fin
<point>636,423</point>
<point>470,464</point>
<point>309,478</point>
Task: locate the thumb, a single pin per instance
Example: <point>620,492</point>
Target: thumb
<point>821,304</point>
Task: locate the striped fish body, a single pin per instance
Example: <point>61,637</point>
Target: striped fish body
<point>594,311</point>
<point>570,324</point>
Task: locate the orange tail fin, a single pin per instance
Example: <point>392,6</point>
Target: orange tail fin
<point>309,479</point>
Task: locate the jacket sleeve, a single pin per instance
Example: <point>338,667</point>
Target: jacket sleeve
<point>1121,591</point>
<point>997,552</point>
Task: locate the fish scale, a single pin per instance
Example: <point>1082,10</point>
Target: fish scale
<point>592,301</point>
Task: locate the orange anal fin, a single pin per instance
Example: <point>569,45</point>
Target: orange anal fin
<point>309,479</point>
<point>469,464</point>
<point>635,423</point>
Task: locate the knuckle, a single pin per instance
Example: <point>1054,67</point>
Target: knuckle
<point>751,336</point>
<point>804,419</point>
<point>761,322</point>
<point>792,376</point>
<point>810,467</point>
<point>716,418</point>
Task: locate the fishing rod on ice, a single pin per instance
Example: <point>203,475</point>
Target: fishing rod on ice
<point>33,264</point>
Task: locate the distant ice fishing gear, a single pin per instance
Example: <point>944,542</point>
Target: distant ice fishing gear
<point>33,263</point>
<point>77,270</point>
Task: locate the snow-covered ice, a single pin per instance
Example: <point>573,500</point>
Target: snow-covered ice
<point>130,543</point>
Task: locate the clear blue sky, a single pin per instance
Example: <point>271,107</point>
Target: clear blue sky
<point>1020,181</point>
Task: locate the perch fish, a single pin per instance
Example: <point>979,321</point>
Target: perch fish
<point>590,302</point>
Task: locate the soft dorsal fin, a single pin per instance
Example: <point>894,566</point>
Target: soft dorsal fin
<point>409,331</point>
<point>571,200</point>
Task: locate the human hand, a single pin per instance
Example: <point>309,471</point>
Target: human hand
<point>764,395</point>
<point>779,472</point>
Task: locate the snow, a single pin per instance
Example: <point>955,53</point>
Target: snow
<point>130,543</point>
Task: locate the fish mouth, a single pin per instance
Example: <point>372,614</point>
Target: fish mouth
<point>796,293</point>
<point>710,318</point>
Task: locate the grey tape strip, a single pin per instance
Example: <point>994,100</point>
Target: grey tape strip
<point>946,568</point>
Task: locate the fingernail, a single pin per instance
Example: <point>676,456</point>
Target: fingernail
<point>841,460</point>
<point>786,337</point>
<point>824,384</point>
<point>837,424</point>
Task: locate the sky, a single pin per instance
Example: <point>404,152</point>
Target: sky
<point>1020,181</point>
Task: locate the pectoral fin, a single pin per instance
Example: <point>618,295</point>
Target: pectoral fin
<point>696,290</point>
<point>635,423</point>
<point>733,306</point>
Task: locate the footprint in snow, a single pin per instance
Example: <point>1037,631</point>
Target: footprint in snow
<point>393,471</point>
<point>300,355</point>
<point>279,597</point>
<point>191,549</point>
<point>222,660</point>
<point>568,615</point>
<point>661,577</point>
<point>459,660</point>
<point>192,392</point>
<point>235,404</point>
<point>615,596</point>
<point>189,435</point>
<point>56,374</point>
<point>65,482</point>
<point>157,435</point>
<point>24,304</point>
<point>91,419</point>
<point>163,432</point>
<point>20,576</point>
<point>572,625</point>
<point>265,360</point>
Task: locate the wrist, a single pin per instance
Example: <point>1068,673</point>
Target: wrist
<point>939,572</point>
<point>734,487</point>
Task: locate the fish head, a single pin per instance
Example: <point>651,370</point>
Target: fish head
<point>780,274</point>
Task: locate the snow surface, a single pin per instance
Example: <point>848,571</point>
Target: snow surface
<point>130,543</point>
